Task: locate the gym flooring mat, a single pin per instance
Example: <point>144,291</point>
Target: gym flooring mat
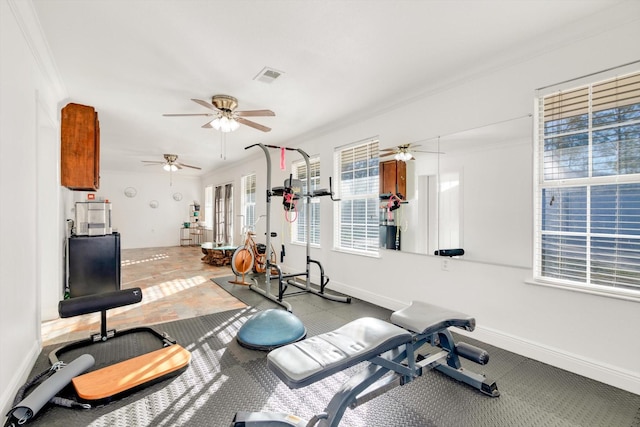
<point>224,378</point>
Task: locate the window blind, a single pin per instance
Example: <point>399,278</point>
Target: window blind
<point>228,213</point>
<point>298,227</point>
<point>358,170</point>
<point>218,216</point>
<point>588,186</point>
<point>249,201</point>
<point>208,206</point>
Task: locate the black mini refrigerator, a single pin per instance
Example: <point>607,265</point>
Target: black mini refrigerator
<point>94,264</point>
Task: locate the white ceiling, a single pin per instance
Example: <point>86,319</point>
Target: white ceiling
<point>342,60</point>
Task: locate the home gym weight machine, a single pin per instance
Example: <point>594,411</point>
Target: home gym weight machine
<point>290,278</point>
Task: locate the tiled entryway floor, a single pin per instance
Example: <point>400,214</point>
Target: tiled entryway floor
<point>175,285</point>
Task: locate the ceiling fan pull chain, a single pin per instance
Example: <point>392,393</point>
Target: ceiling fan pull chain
<point>223,146</point>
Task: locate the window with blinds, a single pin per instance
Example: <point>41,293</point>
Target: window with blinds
<point>208,207</point>
<point>588,185</point>
<point>298,227</point>
<point>223,214</point>
<point>248,184</point>
<point>357,226</point>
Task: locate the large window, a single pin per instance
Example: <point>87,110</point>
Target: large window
<point>357,212</point>
<point>248,201</point>
<point>588,186</point>
<point>223,214</point>
<point>298,227</point>
<point>208,207</point>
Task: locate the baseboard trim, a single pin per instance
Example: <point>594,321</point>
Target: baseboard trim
<point>20,377</point>
<point>367,296</point>
<point>589,368</point>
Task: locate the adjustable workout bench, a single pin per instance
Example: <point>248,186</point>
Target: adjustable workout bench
<point>129,375</point>
<point>389,348</point>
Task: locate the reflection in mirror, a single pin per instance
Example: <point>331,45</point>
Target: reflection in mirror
<point>469,190</point>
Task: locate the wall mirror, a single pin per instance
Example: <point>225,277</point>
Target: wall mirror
<point>470,190</point>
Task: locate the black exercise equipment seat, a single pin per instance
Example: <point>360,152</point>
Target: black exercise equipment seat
<point>116,380</point>
<point>102,302</point>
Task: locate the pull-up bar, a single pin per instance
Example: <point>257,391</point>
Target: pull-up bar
<point>307,287</point>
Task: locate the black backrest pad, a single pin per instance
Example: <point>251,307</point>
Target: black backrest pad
<point>92,303</point>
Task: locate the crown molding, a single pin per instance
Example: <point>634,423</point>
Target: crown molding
<point>28,22</point>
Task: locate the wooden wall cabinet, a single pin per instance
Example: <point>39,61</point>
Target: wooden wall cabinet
<point>393,177</point>
<point>80,148</point>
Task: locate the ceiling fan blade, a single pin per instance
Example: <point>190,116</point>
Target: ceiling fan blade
<point>152,162</point>
<point>207,125</point>
<point>204,104</point>
<point>176,164</point>
<point>181,115</point>
<point>254,113</point>
<point>253,124</point>
<point>394,149</point>
<point>429,152</point>
<point>187,166</point>
<point>387,154</point>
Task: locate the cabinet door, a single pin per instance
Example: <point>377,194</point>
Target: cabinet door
<point>80,148</point>
<point>393,177</point>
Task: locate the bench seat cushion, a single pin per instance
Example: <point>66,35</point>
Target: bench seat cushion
<point>423,318</point>
<point>305,362</point>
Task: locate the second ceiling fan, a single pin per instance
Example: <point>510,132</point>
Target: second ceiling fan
<point>404,152</point>
<point>170,163</point>
<point>225,116</point>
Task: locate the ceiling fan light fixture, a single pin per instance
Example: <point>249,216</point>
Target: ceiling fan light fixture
<point>403,156</point>
<point>170,168</point>
<point>225,124</point>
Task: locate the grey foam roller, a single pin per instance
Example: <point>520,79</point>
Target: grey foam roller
<point>30,405</point>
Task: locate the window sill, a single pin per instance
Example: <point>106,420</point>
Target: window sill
<point>351,252</point>
<point>304,245</point>
<point>603,291</point>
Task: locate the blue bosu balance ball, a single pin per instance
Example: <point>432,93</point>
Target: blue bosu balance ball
<point>270,329</point>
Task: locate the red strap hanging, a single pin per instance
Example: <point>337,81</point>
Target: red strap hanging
<point>282,166</point>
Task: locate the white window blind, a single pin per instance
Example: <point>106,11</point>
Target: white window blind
<point>208,206</point>
<point>218,212</point>
<point>223,214</point>
<point>298,227</point>
<point>357,213</point>
<point>248,201</point>
<point>588,185</point>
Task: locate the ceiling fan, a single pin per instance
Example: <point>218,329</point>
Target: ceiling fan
<point>171,163</point>
<point>404,152</point>
<point>225,117</point>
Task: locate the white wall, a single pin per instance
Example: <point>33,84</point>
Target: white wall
<point>139,225</point>
<point>555,326</point>
<point>587,334</point>
<point>30,242</point>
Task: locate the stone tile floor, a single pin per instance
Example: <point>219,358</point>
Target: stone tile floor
<point>175,285</point>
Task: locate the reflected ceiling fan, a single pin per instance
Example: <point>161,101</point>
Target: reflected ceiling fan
<point>225,116</point>
<point>171,163</point>
<point>404,152</point>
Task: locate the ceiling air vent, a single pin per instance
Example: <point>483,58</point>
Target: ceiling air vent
<point>267,75</point>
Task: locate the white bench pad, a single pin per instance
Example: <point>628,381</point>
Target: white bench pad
<point>423,318</point>
<point>305,362</point>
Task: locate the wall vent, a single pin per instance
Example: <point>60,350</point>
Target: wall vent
<point>268,75</point>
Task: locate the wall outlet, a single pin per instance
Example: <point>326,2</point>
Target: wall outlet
<point>445,264</point>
